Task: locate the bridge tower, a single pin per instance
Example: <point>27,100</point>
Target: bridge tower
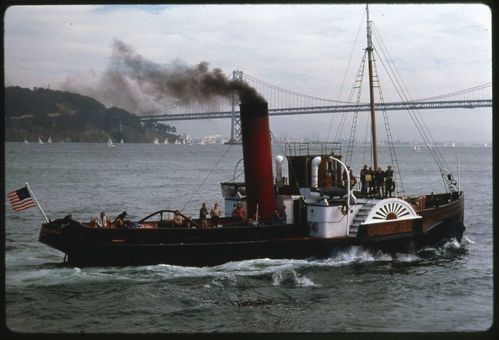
<point>235,123</point>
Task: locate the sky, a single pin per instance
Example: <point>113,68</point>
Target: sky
<point>309,49</point>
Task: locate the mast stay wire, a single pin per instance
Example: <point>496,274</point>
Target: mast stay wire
<point>407,97</point>
<point>358,78</point>
<point>206,177</point>
<point>403,87</point>
<point>417,119</point>
<point>345,76</point>
<point>357,85</point>
<point>391,145</point>
<point>418,124</point>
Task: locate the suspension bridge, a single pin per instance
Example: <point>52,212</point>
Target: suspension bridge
<point>286,102</point>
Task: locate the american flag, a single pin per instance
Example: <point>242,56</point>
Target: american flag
<point>21,199</point>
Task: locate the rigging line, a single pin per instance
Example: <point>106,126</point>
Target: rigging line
<point>399,79</point>
<point>340,127</point>
<point>351,55</point>
<point>346,72</point>
<point>389,59</point>
<point>418,125</point>
<point>406,96</point>
<point>429,138</point>
<point>391,146</point>
<point>208,175</point>
<point>357,81</point>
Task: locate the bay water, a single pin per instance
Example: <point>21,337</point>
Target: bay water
<point>435,290</point>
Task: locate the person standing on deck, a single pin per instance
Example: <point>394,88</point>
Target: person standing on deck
<point>215,215</point>
<point>370,182</point>
<point>284,216</point>
<point>353,180</point>
<point>203,214</point>
<point>390,185</point>
<point>239,214</point>
<point>276,217</point>
<point>102,221</point>
<point>379,182</point>
<point>363,184</point>
<point>178,220</point>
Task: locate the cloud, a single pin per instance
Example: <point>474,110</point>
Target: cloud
<point>304,48</point>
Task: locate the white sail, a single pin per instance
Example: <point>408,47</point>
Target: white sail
<point>26,141</point>
<point>40,141</point>
<point>156,141</point>
<point>110,142</point>
<point>49,140</point>
<point>121,141</point>
<point>166,141</point>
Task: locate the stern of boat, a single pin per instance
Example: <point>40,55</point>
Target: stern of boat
<point>51,233</point>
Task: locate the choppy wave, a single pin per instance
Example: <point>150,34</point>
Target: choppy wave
<point>286,272</point>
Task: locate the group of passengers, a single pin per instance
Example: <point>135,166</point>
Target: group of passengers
<point>118,222</point>
<point>239,215</point>
<point>214,213</point>
<point>379,183</point>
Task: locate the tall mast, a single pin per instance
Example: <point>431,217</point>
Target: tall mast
<point>371,92</point>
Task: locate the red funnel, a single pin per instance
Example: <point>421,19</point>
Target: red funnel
<point>257,160</point>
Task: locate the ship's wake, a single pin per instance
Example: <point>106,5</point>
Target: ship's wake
<point>276,272</point>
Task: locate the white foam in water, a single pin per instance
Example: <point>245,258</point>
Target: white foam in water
<point>304,281</point>
<point>291,277</point>
<point>354,254</point>
<point>452,244</point>
<point>282,270</point>
<point>467,240</point>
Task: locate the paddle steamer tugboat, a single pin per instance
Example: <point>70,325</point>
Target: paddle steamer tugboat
<point>321,217</point>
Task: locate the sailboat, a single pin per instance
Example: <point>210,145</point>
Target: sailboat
<point>40,141</point>
<point>121,141</point>
<point>26,141</point>
<point>166,141</point>
<point>310,213</point>
<point>110,143</point>
<point>49,141</point>
<point>156,141</point>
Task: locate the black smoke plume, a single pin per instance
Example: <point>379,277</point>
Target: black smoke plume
<point>133,78</point>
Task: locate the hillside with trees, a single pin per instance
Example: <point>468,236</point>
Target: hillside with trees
<point>70,117</point>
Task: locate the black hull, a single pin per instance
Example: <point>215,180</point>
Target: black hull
<point>204,247</point>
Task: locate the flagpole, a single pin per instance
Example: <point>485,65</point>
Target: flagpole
<point>36,201</point>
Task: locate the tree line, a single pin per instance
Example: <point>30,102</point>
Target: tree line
<point>66,116</point>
